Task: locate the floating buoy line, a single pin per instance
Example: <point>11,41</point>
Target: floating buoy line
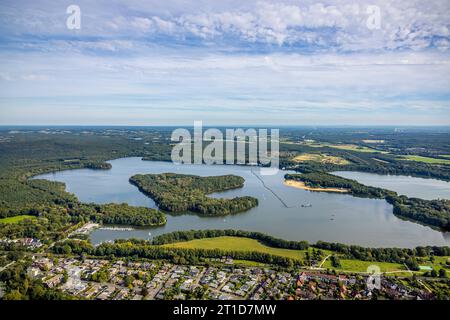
<point>276,195</point>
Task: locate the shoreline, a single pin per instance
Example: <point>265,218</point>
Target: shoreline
<point>302,185</point>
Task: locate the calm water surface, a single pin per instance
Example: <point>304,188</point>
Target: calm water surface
<point>409,186</point>
<point>332,217</point>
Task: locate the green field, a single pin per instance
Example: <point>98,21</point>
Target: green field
<point>246,244</point>
<point>348,146</point>
<point>248,263</point>
<point>426,159</point>
<point>237,244</point>
<point>361,266</point>
<point>16,219</point>
<point>439,263</point>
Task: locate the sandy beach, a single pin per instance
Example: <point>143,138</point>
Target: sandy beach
<point>302,185</point>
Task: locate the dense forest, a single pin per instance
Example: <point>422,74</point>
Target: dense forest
<point>98,165</point>
<point>128,215</point>
<point>31,152</point>
<point>180,193</point>
<point>35,151</point>
<point>431,212</point>
<point>17,197</point>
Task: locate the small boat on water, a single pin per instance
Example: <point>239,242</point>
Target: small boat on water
<point>307,205</point>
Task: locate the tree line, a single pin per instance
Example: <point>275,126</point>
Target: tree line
<point>142,249</point>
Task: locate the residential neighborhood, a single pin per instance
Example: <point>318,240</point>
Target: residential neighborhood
<point>156,280</point>
<point>29,243</point>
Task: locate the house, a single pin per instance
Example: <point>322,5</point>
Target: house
<point>34,272</point>
<point>92,291</point>
<point>138,283</point>
<point>2,291</point>
<point>106,293</point>
<point>43,264</point>
<point>121,295</point>
<point>54,281</point>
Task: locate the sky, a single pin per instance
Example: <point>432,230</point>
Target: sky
<point>225,62</point>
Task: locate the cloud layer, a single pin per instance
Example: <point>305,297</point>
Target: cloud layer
<point>287,62</point>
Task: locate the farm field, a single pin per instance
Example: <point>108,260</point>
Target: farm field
<point>249,263</point>
<point>344,146</point>
<point>321,158</point>
<point>361,266</point>
<point>426,159</point>
<point>349,147</point>
<point>237,244</point>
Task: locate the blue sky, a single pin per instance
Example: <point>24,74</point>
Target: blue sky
<point>225,62</point>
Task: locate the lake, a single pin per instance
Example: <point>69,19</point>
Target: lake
<point>428,189</point>
<point>331,217</point>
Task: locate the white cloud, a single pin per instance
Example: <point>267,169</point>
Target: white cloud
<point>287,59</point>
<point>142,24</point>
<point>329,25</point>
<point>34,77</point>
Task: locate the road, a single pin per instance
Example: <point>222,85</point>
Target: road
<point>7,266</point>
<point>320,266</point>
